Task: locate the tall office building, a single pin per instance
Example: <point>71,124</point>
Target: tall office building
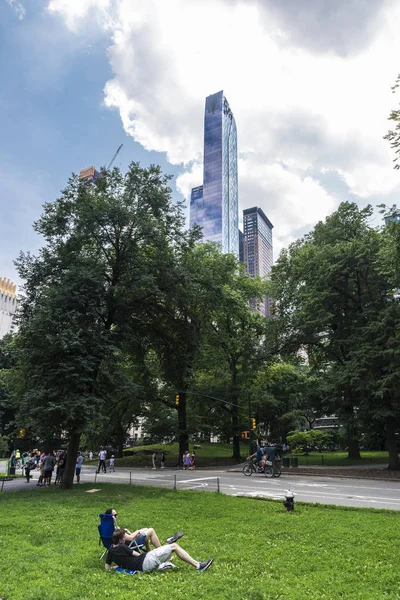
<point>8,306</point>
<point>214,205</point>
<point>257,251</point>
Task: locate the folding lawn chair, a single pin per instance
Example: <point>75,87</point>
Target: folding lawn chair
<point>106,530</point>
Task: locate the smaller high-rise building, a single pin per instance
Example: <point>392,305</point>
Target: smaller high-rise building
<point>257,249</point>
<point>8,306</point>
<point>90,174</point>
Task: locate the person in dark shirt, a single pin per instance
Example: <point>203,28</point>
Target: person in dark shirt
<point>127,558</point>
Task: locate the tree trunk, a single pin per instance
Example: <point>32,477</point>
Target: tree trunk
<point>353,447</point>
<point>72,453</point>
<point>394,463</point>
<point>351,424</point>
<point>121,440</point>
<point>234,415</point>
<point>183,435</point>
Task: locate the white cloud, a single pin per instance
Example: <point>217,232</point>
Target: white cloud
<point>297,105</point>
<point>18,7</point>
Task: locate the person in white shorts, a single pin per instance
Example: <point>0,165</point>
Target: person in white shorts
<point>127,558</point>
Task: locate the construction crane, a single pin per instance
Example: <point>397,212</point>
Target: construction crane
<point>109,165</point>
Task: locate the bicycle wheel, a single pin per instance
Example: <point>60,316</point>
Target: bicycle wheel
<point>277,471</point>
<point>247,470</point>
<point>268,472</point>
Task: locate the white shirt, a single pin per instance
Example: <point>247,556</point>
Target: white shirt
<point>102,454</point>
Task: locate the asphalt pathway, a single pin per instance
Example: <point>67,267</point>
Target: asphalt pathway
<point>316,489</point>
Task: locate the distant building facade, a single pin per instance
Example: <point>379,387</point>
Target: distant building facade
<point>258,250</point>
<point>214,205</point>
<point>90,174</point>
<point>8,307</point>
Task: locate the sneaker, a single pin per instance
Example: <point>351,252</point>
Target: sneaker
<point>165,565</point>
<point>174,538</point>
<point>203,566</point>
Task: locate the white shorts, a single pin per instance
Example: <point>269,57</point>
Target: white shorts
<point>155,557</point>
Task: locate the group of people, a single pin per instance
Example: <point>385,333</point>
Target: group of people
<point>154,460</point>
<point>189,460</point>
<point>102,463</point>
<point>125,549</point>
<point>47,463</point>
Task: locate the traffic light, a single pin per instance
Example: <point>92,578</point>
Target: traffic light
<point>245,435</point>
<point>177,400</point>
<point>21,433</point>
<point>253,424</point>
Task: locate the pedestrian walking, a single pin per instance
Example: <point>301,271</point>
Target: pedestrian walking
<point>112,459</point>
<point>78,467</point>
<point>90,455</point>
<point>153,460</point>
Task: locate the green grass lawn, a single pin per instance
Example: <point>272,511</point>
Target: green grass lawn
<point>207,452</point>
<point>205,455</point>
<point>339,459</point>
<point>49,547</point>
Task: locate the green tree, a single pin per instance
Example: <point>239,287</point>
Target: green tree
<point>94,285</point>
<point>328,286</point>
<point>232,344</point>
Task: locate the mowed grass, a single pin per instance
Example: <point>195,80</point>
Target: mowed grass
<point>339,459</point>
<point>49,547</point>
<point>221,451</point>
<point>207,452</point>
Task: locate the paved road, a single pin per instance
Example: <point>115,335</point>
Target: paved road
<point>316,489</point>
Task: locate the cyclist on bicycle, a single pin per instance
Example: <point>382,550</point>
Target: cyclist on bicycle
<point>257,457</point>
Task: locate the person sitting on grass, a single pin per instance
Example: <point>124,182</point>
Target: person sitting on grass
<point>144,536</point>
<point>130,559</point>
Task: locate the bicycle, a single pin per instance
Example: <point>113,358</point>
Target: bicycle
<point>276,468</point>
<point>251,468</point>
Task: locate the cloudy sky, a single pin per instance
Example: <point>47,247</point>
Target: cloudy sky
<point>309,82</point>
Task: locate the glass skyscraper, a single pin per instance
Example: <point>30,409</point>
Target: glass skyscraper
<point>257,249</point>
<point>214,205</point>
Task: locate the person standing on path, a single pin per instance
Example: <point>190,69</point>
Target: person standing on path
<point>48,466</point>
<point>192,461</point>
<point>162,462</point>
<point>90,455</point>
<point>112,462</point>
<point>78,467</point>
<point>102,460</point>
<point>153,460</point>
<point>186,460</point>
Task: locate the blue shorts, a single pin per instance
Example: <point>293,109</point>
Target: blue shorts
<point>77,472</point>
<point>141,540</point>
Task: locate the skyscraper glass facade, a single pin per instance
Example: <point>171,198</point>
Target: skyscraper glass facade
<point>217,210</point>
<point>196,206</point>
<point>258,256</point>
